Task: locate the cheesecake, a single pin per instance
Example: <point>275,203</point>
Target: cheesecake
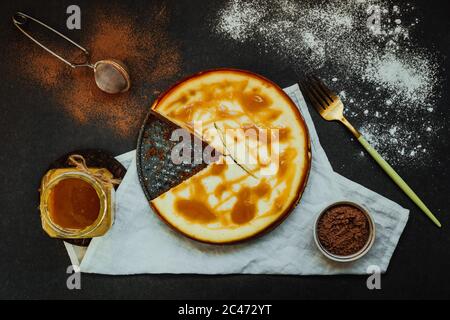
<point>256,156</point>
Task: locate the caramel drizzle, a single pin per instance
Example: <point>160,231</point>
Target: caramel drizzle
<point>186,116</point>
<point>224,216</point>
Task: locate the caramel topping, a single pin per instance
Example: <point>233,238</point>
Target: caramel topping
<point>272,115</point>
<point>196,208</point>
<point>262,189</point>
<point>286,168</point>
<point>184,114</point>
<point>284,134</point>
<point>220,189</point>
<point>252,102</point>
<point>223,113</point>
<point>285,162</point>
<point>195,211</point>
<point>218,168</point>
<point>244,210</point>
<point>74,204</point>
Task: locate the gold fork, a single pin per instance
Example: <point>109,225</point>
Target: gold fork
<point>331,108</point>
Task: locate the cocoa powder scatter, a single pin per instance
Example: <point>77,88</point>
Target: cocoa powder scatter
<point>142,44</point>
<point>343,230</point>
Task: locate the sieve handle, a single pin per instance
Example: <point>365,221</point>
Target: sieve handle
<point>20,19</point>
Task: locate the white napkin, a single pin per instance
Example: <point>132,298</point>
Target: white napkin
<point>139,242</point>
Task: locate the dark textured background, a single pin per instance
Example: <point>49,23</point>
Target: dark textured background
<point>34,132</point>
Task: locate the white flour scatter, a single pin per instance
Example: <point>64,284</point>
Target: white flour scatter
<point>365,50</point>
<point>240,19</point>
<point>410,78</point>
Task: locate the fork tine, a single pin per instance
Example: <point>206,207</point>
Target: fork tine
<point>318,94</point>
<point>323,88</point>
<point>319,90</point>
<point>317,103</point>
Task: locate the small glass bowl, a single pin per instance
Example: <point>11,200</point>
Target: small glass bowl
<point>354,256</point>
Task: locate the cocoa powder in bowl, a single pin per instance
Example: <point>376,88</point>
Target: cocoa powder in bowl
<point>343,229</point>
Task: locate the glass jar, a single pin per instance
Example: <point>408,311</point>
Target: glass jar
<point>56,184</point>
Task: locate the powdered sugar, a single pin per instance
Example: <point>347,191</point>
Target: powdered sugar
<point>241,17</point>
<point>366,51</point>
<point>412,78</point>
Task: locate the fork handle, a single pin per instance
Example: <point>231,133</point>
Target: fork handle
<point>397,179</point>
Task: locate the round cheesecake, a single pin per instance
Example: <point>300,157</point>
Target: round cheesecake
<point>264,159</point>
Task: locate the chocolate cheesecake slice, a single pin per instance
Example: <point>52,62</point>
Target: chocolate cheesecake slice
<point>157,170</point>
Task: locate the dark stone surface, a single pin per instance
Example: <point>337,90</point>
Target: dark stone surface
<point>157,172</point>
<point>34,132</point>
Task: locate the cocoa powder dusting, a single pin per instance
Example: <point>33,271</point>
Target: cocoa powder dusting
<point>142,44</point>
<point>343,230</point>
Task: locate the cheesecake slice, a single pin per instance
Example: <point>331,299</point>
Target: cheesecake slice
<point>157,172</point>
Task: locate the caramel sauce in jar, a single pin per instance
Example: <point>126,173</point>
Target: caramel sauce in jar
<point>75,205</point>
